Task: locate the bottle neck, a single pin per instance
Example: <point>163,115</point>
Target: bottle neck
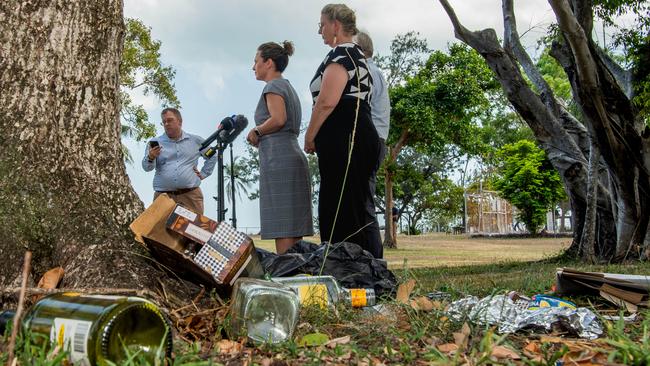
<point>6,317</point>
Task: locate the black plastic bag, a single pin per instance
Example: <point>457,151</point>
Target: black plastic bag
<point>352,266</point>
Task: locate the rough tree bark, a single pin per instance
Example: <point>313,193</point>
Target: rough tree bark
<point>588,240</point>
<point>393,151</point>
<point>609,121</point>
<point>64,191</point>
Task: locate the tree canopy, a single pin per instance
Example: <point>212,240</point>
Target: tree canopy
<point>141,69</point>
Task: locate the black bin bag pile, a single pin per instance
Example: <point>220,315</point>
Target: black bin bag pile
<point>352,266</point>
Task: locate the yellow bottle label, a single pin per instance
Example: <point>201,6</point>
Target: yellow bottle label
<point>314,295</point>
<point>358,297</point>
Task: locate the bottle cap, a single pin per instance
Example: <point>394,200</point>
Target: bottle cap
<point>362,297</point>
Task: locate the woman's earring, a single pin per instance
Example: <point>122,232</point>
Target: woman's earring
<point>335,39</point>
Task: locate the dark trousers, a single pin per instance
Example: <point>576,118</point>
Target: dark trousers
<point>352,220</point>
<point>373,188</point>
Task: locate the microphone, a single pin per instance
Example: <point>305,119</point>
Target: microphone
<point>239,123</point>
<point>225,125</point>
<point>227,131</point>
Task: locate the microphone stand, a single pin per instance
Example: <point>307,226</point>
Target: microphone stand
<point>221,210</point>
<point>232,188</point>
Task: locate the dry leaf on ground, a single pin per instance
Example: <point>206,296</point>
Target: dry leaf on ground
<point>447,347</point>
<point>421,303</point>
<point>404,291</point>
<point>462,338</point>
<point>228,347</point>
<point>336,341</point>
<point>502,352</point>
<point>51,278</point>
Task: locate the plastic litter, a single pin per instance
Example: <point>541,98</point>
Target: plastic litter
<point>510,317</point>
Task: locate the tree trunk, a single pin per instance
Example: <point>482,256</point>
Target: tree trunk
<point>587,243</point>
<point>393,151</point>
<point>64,191</point>
<point>609,122</point>
<point>389,240</point>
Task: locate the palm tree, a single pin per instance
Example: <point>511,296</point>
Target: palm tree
<point>242,184</point>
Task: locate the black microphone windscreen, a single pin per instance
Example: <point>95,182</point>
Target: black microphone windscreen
<point>227,124</point>
<point>240,122</point>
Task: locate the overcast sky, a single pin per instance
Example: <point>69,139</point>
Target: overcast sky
<point>212,43</point>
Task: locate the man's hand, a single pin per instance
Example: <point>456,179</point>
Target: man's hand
<point>154,152</point>
<point>198,173</point>
<point>252,138</point>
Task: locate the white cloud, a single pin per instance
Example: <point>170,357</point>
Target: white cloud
<point>208,75</point>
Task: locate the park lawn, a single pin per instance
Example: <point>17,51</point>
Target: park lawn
<point>435,250</point>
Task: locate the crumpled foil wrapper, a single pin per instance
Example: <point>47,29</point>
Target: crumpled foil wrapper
<point>510,317</point>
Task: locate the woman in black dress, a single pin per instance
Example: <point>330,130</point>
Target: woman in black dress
<point>342,135</point>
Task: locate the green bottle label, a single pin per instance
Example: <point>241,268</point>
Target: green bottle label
<point>72,336</point>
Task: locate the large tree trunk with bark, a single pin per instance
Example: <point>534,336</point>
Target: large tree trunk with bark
<point>610,122</point>
<point>64,192</point>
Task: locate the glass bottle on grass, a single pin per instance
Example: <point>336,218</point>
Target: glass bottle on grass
<point>326,291</point>
<point>98,329</point>
<point>264,311</point>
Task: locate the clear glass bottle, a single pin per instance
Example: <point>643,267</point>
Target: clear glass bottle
<point>98,329</point>
<point>326,291</point>
<point>264,311</point>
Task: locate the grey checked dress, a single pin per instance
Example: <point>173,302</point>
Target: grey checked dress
<point>285,189</point>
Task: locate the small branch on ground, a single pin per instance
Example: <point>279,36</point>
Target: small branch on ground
<point>101,291</point>
<point>19,310</point>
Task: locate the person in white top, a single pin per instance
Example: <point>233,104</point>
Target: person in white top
<point>379,103</point>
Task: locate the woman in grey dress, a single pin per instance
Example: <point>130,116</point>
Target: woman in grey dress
<point>285,190</point>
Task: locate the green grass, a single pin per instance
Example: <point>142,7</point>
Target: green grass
<point>408,337</point>
<point>436,250</point>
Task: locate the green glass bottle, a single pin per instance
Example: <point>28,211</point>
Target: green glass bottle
<point>98,329</point>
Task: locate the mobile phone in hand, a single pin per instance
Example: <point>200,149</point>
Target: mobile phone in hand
<point>153,143</point>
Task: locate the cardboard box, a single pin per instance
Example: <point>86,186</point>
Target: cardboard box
<point>228,255</point>
<point>630,291</point>
<point>151,224</point>
<point>196,227</point>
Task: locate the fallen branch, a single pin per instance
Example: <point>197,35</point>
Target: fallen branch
<point>19,310</point>
<point>100,291</point>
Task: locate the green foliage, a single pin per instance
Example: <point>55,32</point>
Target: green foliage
<point>528,180</point>
<point>634,39</point>
<point>240,170</point>
<point>555,77</point>
<point>407,55</point>
<point>445,204</point>
<point>438,106</point>
<point>501,125</point>
<point>437,115</point>
<point>34,349</point>
<point>248,170</point>
<point>141,68</point>
<point>422,189</point>
<point>622,338</point>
